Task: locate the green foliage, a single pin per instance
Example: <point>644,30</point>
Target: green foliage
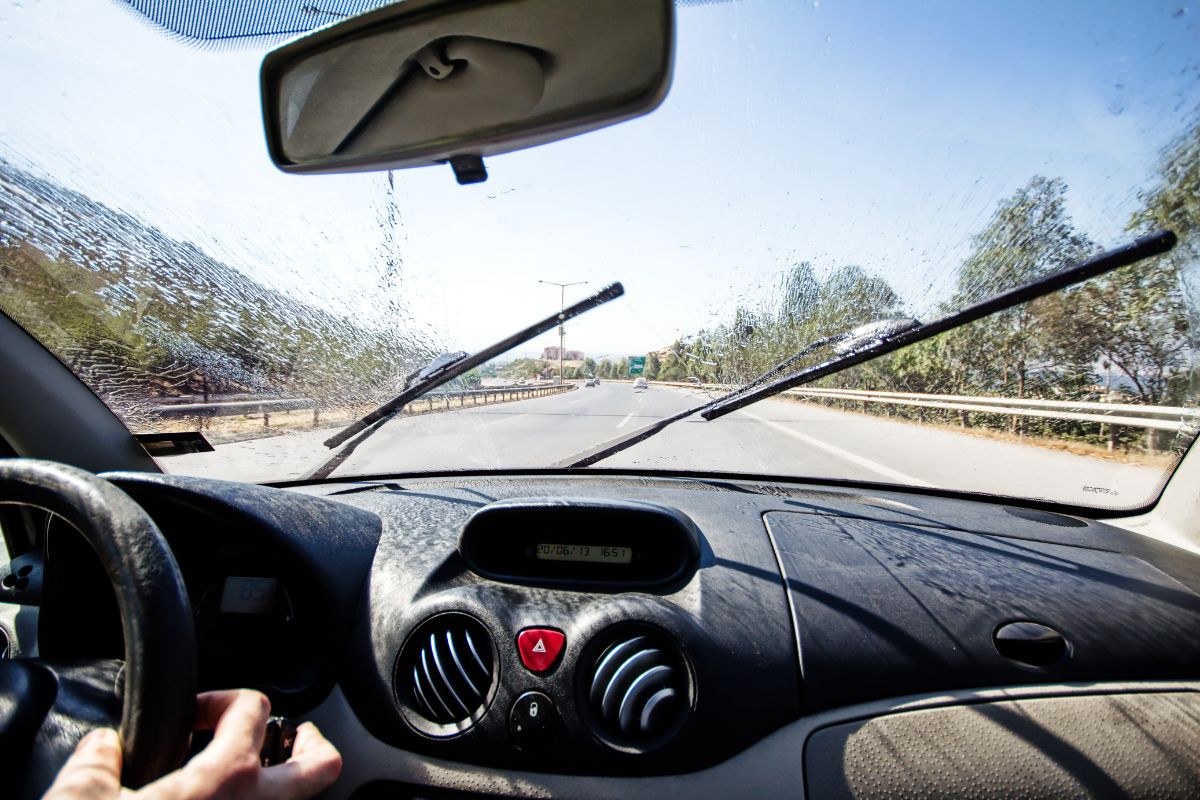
<point>163,318</point>
<point>653,365</point>
<point>1170,293</point>
<point>521,369</point>
<point>1174,202</point>
<point>139,316</point>
<point>1133,321</point>
<point>673,368</point>
<point>472,379</point>
<point>1029,236</point>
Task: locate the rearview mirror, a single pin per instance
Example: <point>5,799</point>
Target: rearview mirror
<point>427,82</point>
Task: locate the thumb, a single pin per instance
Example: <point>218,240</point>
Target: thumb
<point>92,771</point>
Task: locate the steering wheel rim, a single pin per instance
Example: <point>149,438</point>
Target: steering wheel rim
<point>158,707</point>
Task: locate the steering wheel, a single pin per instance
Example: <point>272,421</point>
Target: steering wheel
<point>46,706</point>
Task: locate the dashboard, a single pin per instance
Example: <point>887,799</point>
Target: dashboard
<point>609,635</point>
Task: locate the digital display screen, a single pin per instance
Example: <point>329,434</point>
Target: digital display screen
<point>243,595</point>
<point>597,554</point>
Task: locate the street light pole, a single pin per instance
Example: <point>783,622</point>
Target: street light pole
<point>562,304</point>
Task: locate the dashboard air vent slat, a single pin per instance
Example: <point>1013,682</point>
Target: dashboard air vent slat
<point>638,690</point>
<point>446,671</point>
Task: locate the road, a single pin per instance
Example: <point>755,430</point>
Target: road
<point>778,437</point>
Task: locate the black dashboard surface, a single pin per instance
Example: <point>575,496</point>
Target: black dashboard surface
<point>887,609</point>
<point>318,553</point>
<point>803,599</point>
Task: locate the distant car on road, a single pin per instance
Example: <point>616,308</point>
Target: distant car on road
<point>639,383</point>
<point>592,382</point>
<point>691,379</point>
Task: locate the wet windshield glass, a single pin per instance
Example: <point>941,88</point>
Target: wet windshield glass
<point>815,167</point>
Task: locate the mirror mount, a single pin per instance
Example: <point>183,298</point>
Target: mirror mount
<point>468,169</point>
<point>433,62</point>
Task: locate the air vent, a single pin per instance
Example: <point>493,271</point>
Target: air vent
<point>639,691</point>
<point>445,675</point>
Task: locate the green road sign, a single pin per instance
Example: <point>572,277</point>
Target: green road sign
<point>637,364</point>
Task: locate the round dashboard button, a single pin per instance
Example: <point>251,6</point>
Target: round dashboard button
<point>532,721</point>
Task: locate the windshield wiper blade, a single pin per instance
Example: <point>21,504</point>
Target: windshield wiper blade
<point>861,345</point>
<point>447,367</point>
<point>1151,245</point>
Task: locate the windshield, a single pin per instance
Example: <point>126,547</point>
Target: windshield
<point>816,167</point>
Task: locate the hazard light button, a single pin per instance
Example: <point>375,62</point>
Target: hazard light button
<point>540,648</point>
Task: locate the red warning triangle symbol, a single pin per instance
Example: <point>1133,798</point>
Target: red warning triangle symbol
<point>540,647</point>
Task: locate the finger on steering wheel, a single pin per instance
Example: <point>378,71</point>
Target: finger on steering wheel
<point>93,770</point>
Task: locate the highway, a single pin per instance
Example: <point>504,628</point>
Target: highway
<point>779,437</point>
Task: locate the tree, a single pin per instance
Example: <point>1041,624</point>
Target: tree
<point>672,367</point>
<point>1030,235</point>
<point>652,366</point>
<point>1145,306</point>
<point>521,369</point>
<point>850,297</point>
<point>1174,203</point>
<point>799,291</point>
<point>1135,319</point>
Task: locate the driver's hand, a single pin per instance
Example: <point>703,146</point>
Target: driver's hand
<point>228,767</point>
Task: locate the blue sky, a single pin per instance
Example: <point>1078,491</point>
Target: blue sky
<point>881,134</point>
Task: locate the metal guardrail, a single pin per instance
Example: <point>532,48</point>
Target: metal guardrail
<point>171,409</point>
<point>1128,415</point>
<point>234,408</point>
<point>489,395</point>
<point>212,397</point>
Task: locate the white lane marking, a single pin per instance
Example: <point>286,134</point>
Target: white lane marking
<point>506,419</point>
<point>853,458</point>
<point>628,417</point>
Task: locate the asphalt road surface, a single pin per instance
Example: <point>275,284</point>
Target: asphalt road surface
<point>775,437</point>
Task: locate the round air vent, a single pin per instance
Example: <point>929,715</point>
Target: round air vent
<point>446,674</point>
<point>638,690</point>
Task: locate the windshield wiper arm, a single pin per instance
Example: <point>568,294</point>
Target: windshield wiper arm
<point>868,347</point>
<point>613,446</point>
<point>446,368</point>
<point>843,342</point>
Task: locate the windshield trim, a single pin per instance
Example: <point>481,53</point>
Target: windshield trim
<point>1098,513</point>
